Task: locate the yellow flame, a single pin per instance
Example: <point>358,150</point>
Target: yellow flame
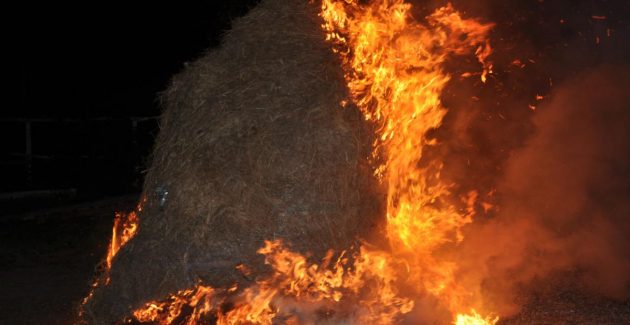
<point>475,319</point>
<point>198,299</point>
<point>124,229</point>
<point>369,284</point>
<point>394,68</point>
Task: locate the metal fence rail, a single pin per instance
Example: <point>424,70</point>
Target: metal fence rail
<point>25,157</point>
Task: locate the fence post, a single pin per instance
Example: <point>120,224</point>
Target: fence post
<point>134,133</point>
<point>29,152</point>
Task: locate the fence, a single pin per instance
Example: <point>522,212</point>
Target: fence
<point>49,153</point>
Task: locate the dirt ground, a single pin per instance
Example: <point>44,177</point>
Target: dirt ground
<point>48,258</point>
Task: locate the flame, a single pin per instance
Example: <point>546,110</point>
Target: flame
<point>369,284</point>
<point>395,75</point>
<point>475,319</point>
<point>198,299</point>
<point>125,228</point>
<point>394,67</point>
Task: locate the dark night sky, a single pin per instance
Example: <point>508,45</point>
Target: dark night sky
<point>109,58</point>
<point>89,60</point>
<point>112,58</point>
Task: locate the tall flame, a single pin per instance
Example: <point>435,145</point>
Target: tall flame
<point>394,68</point>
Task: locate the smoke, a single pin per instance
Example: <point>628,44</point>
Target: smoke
<point>563,199</point>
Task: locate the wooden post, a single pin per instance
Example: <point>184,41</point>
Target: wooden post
<point>134,133</point>
<point>29,152</point>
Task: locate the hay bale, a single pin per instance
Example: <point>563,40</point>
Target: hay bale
<point>253,145</point>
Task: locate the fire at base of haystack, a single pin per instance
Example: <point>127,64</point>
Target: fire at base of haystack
<point>300,177</point>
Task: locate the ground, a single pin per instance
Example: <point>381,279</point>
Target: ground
<point>48,259</point>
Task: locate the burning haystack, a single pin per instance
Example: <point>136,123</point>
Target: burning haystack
<point>253,146</point>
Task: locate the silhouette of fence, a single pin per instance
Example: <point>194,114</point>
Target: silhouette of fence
<point>101,154</point>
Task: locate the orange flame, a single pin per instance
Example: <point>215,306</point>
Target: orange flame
<point>475,319</point>
<point>294,283</point>
<point>125,228</point>
<point>394,71</point>
<point>198,299</point>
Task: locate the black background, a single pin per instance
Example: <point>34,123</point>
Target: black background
<point>77,63</point>
<point>89,67</point>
